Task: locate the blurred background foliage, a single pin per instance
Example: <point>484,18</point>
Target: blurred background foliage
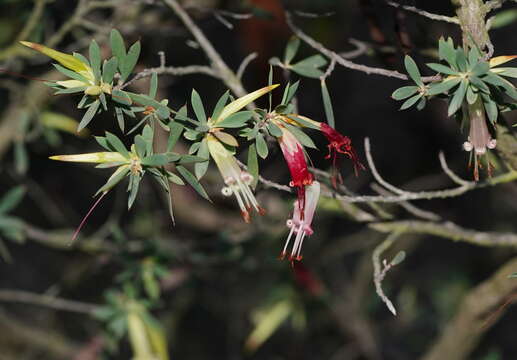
<point>214,283</point>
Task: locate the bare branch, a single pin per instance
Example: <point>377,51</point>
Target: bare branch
<point>52,302</point>
<point>379,273</point>
<point>449,19</point>
<point>448,230</point>
<point>218,64</point>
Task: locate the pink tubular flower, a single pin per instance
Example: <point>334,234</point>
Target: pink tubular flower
<point>300,224</point>
<point>339,144</point>
<point>295,158</point>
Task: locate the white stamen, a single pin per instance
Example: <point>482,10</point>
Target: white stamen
<point>480,150</point>
<point>246,178</point>
<point>226,191</point>
<point>229,181</point>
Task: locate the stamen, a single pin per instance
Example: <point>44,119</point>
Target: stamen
<point>226,191</point>
<point>83,221</point>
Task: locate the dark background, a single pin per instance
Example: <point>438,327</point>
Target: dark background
<point>225,270</point>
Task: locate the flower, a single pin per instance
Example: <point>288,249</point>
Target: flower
<point>294,155</point>
<point>300,223</point>
<point>237,181</point>
<point>479,139</point>
<point>339,144</point>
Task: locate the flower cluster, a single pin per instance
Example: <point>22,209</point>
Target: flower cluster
<point>214,137</point>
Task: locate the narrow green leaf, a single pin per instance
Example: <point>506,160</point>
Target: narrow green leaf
<point>442,69</point>
<point>261,145</point>
<point>191,179</point>
<point>140,146</point>
<point>291,49</point>
<point>200,168</point>
<point>481,68</point>
<point>404,92</point>
<point>327,104</point>
<point>221,103</point>
<point>114,179</point>
<point>412,70</point>
<point>117,144</point>
<point>491,108</point>
<point>410,102</point>
<point>127,65</point>
<point>236,120</point>
<point>458,97</point>
<point>88,115</point>
<point>175,131</point>
<point>447,52</point>
<point>13,197</point>
<point>118,49</point>
<point>121,97</point>
<point>155,160</point>
<point>503,18</point>
<point>507,71</point>
<point>174,178</point>
<point>443,86</point>
<point>153,85</point>
<point>133,190</point>
<point>307,71</point>
<point>197,105</point>
<point>120,117</point>
<point>421,104</point>
<point>95,59</point>
<point>461,60</point>
<point>71,74</point>
<point>479,84</point>
<point>292,91</point>
<point>253,165</point>
<point>73,90</point>
<point>302,137</point>
<point>274,130</point>
<point>109,68</point>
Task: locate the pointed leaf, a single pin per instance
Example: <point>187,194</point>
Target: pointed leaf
<point>412,70</point>
<point>327,104</point>
<point>88,115</point>
<point>191,179</point>
<point>241,102</point>
<point>10,200</point>
<point>197,105</point>
<point>458,97</point>
<point>117,144</point>
<point>291,49</point>
<point>404,92</point>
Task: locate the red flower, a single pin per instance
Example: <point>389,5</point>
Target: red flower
<point>295,158</point>
<point>339,144</point>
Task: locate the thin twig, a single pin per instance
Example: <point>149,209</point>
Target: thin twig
<point>449,19</point>
<point>52,302</point>
<point>379,273</point>
<point>218,64</point>
<point>450,173</point>
<point>344,62</point>
<point>448,230</point>
<point>375,173</point>
<point>244,64</point>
